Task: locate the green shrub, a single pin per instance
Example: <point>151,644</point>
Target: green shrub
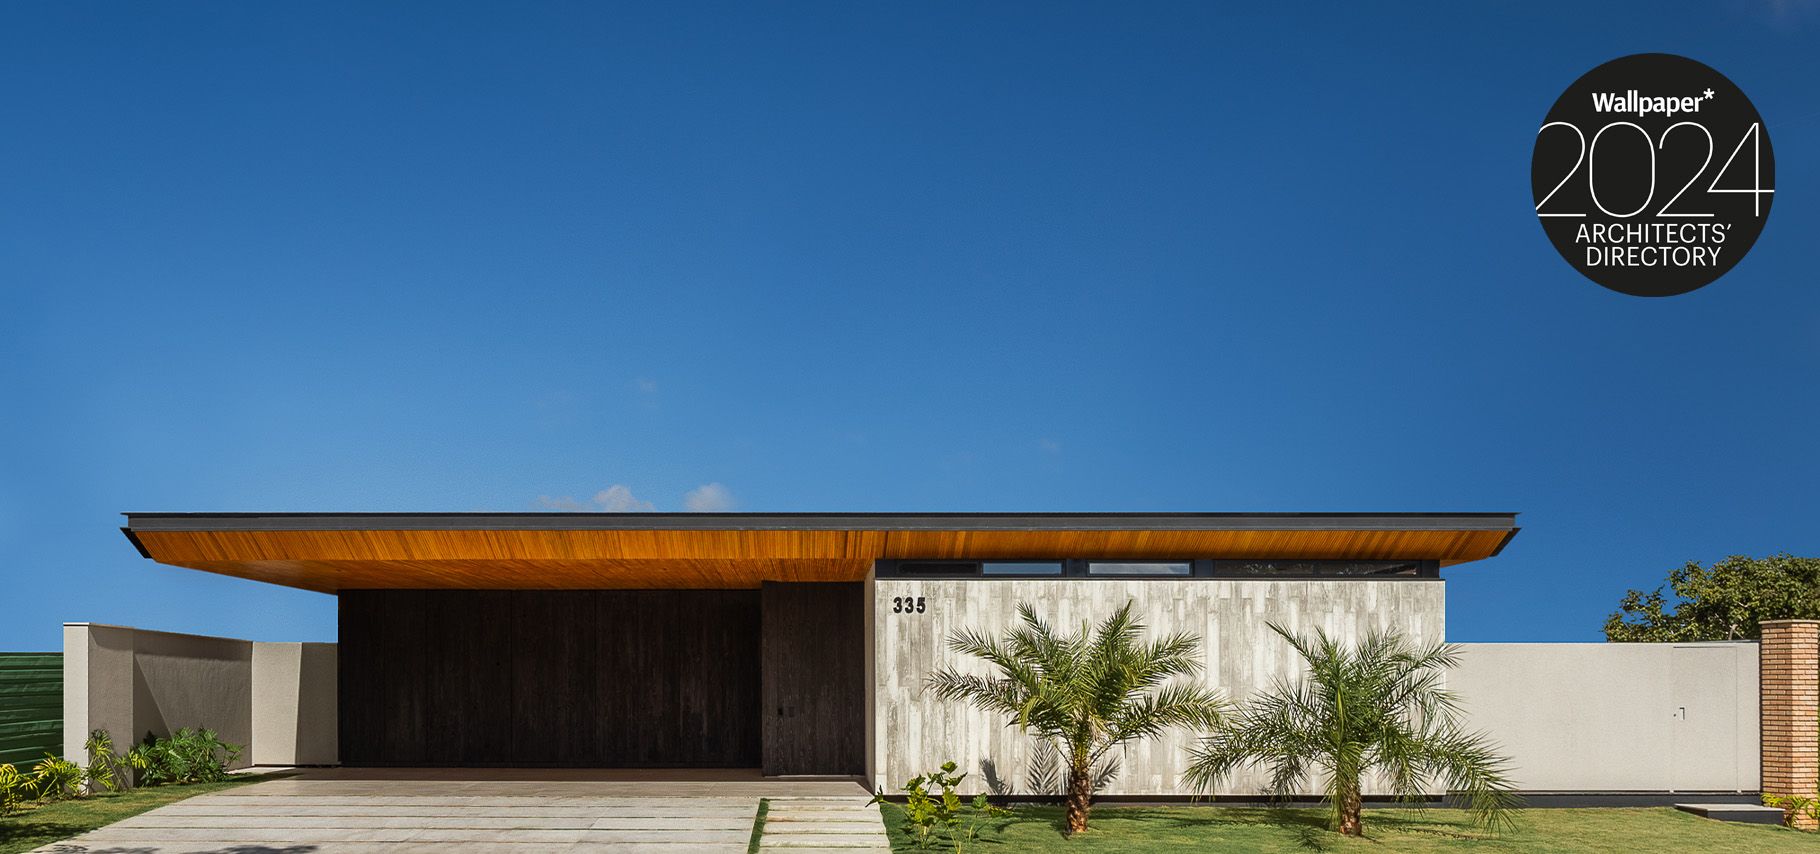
<point>103,771</point>
<point>55,778</point>
<point>1794,806</point>
<point>12,789</point>
<point>926,814</point>
<point>187,756</point>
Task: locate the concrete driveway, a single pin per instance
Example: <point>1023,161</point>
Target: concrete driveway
<point>348,810</point>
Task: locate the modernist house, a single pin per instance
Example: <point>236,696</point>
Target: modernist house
<point>795,643</point>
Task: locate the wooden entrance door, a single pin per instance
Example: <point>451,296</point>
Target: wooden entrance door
<point>814,678</point>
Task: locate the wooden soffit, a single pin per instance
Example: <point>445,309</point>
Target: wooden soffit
<point>328,553</point>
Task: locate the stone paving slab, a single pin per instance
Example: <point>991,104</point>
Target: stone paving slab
<point>843,829</point>
<point>822,809</point>
<point>797,807</point>
<point>229,846</point>
<point>817,814</point>
<point>261,819</point>
<point>238,799</point>
<point>823,824</point>
<point>514,811</point>
<point>670,836</point>
<point>821,803</point>
<point>842,842</point>
<point>239,842</point>
<point>185,808</point>
<point>741,823</point>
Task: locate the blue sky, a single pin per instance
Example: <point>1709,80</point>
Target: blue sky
<point>868,257</point>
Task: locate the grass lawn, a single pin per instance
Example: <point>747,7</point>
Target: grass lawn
<point>35,825</point>
<point>1230,829</point>
<point>758,825</point>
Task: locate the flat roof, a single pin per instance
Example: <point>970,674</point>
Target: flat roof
<point>335,551</point>
<point>814,521</point>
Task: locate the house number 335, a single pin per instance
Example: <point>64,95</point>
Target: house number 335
<point>908,605</point>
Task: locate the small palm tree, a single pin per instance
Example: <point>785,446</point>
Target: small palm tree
<point>1380,705</point>
<point>1085,693</point>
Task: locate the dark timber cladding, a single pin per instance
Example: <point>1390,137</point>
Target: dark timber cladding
<point>814,678</point>
<point>586,678</point>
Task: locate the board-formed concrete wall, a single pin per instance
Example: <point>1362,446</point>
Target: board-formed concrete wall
<point>1617,717</point>
<point>912,731</point>
<point>135,682</point>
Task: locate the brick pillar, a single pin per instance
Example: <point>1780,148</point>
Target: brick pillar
<point>1789,667</point>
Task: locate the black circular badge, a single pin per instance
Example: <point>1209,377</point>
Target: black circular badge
<point>1653,175</point>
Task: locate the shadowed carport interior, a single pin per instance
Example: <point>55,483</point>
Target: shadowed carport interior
<point>578,678</point>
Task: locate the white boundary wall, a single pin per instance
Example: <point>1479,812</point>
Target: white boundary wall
<point>276,699</point>
<point>1617,717</point>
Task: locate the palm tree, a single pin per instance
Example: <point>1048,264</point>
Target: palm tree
<point>1084,693</point>
<point>1380,705</point>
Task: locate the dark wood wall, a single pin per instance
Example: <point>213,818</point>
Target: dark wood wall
<point>814,678</point>
<point>584,678</point>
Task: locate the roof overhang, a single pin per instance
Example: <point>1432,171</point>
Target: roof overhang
<point>329,552</point>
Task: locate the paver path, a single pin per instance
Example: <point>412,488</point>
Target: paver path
<point>358,811</point>
<point>236,823</point>
<point>823,824</point>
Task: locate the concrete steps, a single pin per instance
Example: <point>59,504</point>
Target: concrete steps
<point>1751,813</point>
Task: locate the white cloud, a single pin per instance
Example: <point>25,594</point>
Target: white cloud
<point>709,498</point>
<point>1050,446</point>
<point>618,498</point>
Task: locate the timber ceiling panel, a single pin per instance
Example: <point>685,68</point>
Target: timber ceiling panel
<point>733,551</point>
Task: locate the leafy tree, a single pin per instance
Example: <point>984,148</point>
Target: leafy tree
<point>1084,692</point>
<point>1728,601</point>
<point>1377,706</point>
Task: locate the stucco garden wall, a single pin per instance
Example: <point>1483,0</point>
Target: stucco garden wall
<point>294,708</point>
<point>134,682</point>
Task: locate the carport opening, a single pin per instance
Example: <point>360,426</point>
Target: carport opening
<point>683,679</point>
